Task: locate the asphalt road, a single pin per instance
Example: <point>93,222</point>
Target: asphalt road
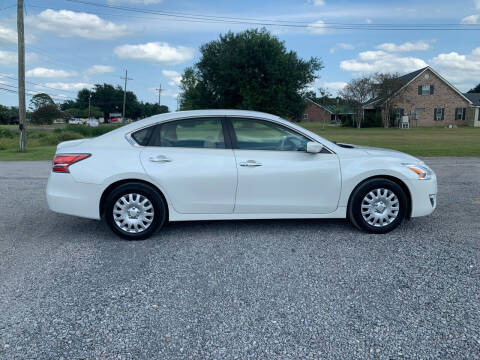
<point>245,289</point>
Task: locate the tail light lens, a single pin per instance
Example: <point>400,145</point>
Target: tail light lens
<point>61,162</point>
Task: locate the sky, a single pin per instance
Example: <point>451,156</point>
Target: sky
<point>72,45</point>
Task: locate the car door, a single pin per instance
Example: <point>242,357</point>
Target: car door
<point>277,175</point>
<point>191,161</point>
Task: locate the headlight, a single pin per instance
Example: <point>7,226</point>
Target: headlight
<point>423,172</point>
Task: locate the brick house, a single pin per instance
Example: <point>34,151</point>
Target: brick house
<point>428,100</point>
<point>325,113</point>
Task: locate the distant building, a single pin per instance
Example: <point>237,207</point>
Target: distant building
<point>429,100</point>
<point>325,113</point>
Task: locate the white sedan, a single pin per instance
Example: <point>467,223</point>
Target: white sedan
<point>228,165</point>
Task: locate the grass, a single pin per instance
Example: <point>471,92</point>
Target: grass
<point>427,142</point>
<point>424,141</point>
<point>42,143</point>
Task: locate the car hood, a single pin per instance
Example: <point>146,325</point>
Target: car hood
<point>383,152</point>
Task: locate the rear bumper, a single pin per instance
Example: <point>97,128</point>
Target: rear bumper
<point>67,196</point>
<point>424,196</point>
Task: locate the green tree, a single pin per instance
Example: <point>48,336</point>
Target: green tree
<point>149,109</point>
<point>249,70</point>
<point>4,114</point>
<point>39,100</point>
<point>476,89</point>
<point>46,114</point>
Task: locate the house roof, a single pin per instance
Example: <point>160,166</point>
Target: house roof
<point>406,79</point>
<point>474,98</point>
<point>334,109</point>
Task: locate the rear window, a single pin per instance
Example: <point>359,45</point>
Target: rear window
<point>142,137</point>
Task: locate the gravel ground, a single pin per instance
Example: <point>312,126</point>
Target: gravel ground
<point>280,289</point>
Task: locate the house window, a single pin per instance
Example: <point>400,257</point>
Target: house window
<point>419,112</point>
<point>305,116</point>
<point>438,114</point>
<point>425,90</point>
<point>460,113</point>
<point>399,112</point>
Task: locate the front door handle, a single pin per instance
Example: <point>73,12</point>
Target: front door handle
<point>250,163</point>
<point>160,159</point>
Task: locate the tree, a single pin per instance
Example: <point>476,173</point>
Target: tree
<point>4,115</point>
<point>476,89</point>
<point>385,86</point>
<point>46,114</point>
<point>149,109</point>
<point>39,100</point>
<point>356,93</point>
<point>249,70</point>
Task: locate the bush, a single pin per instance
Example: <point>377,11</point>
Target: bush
<point>55,139</point>
<point>87,131</point>
<point>6,133</point>
<point>3,144</point>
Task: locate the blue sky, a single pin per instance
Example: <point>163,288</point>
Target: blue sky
<point>72,45</point>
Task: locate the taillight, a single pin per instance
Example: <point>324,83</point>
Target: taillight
<point>61,162</point>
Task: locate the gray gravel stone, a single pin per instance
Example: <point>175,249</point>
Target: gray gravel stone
<point>288,289</point>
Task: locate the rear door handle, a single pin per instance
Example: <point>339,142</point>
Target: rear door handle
<point>250,163</point>
<point>160,159</point>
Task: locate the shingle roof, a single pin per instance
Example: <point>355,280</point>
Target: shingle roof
<point>474,98</point>
<point>403,80</point>
<point>341,109</point>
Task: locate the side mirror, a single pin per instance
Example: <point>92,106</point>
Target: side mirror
<point>314,147</point>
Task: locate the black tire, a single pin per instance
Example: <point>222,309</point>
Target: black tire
<point>157,201</point>
<point>355,205</point>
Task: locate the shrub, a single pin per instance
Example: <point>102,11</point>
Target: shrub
<point>6,133</point>
<point>87,131</point>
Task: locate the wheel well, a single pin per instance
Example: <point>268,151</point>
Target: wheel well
<point>395,180</point>
<point>114,185</point>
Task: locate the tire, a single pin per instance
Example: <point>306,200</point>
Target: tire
<point>377,206</point>
<point>134,211</point>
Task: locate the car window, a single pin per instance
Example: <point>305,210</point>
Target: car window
<point>191,133</point>
<point>142,137</point>
<point>253,134</point>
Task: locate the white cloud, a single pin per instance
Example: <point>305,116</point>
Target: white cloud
<point>318,27</point>
<point>68,23</point>
<point>42,72</point>
<point>317,2</point>
<point>462,70</point>
<point>342,46</point>
<point>155,52</point>
<point>68,86</point>
<point>408,46</point>
<point>174,77</point>
<point>335,85</point>
<point>471,20</point>
<point>368,21</point>
<point>8,57</point>
<point>7,35</point>
<point>381,61</point>
<point>145,2</point>
<point>477,4</point>
<point>99,69</point>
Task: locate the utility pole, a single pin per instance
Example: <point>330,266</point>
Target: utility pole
<point>125,94</point>
<point>159,94</point>
<point>21,76</point>
<point>89,98</point>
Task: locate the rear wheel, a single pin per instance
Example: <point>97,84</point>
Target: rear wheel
<point>378,206</point>
<point>135,211</point>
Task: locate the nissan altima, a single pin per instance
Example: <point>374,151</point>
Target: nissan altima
<point>232,164</point>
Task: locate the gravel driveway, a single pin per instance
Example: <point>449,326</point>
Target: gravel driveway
<point>282,289</point>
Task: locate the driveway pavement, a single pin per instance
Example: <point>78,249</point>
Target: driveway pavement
<point>286,289</point>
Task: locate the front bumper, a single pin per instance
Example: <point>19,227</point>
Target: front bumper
<point>424,196</point>
<point>67,196</point>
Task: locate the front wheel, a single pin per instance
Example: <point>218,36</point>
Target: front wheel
<point>135,211</point>
<point>378,206</point>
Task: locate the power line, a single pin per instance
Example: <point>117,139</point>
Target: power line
<point>34,83</point>
<point>283,23</point>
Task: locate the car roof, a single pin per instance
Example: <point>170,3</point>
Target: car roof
<point>214,112</point>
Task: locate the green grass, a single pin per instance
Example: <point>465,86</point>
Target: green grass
<point>42,143</point>
<point>427,142</point>
<point>465,141</point>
